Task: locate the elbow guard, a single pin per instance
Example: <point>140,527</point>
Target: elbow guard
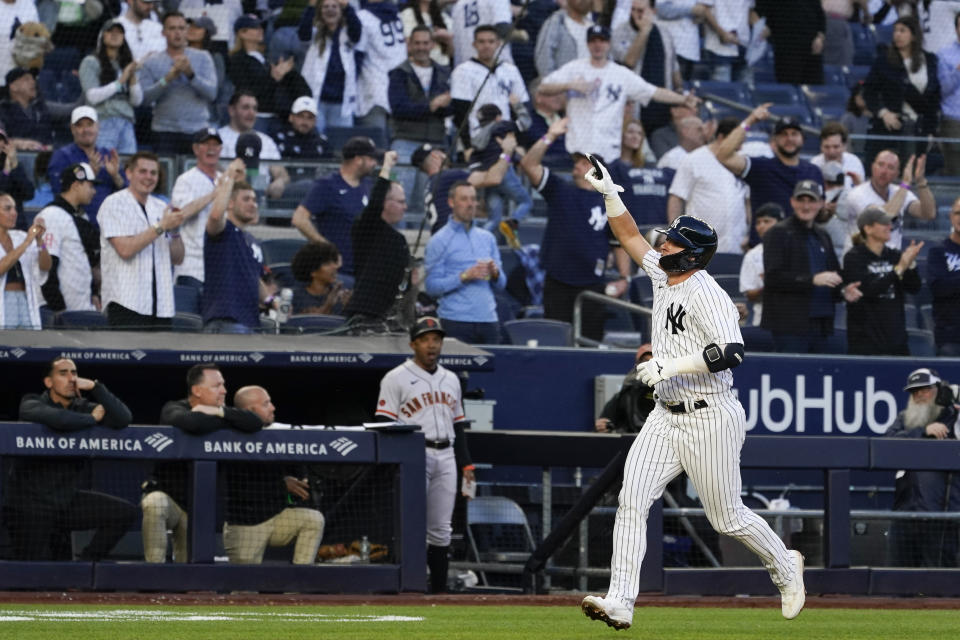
<point>721,358</point>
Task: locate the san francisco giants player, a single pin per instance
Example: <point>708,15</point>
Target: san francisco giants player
<point>420,391</point>
<point>698,425</point>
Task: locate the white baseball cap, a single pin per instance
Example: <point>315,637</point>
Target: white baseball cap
<point>304,103</point>
<point>83,112</point>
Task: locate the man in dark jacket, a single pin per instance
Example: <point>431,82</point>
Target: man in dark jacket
<point>166,494</point>
<point>380,251</point>
<point>801,277</point>
<point>42,495</point>
<point>930,413</point>
<point>419,97</point>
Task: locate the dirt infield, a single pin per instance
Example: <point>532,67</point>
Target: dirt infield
<point>407,599</point>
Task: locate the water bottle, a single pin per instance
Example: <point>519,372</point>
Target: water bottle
<point>364,549</point>
<point>286,303</point>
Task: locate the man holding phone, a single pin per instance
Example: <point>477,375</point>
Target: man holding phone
<point>463,268</point>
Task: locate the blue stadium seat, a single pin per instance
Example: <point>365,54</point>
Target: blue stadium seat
<point>186,298</point>
<point>736,91</point>
<point>641,290</point>
<point>921,343</point>
<point>547,333</point>
<point>82,320</point>
<point>730,284</point>
<point>338,136</point>
<point>883,33</point>
<point>312,323</point>
<point>48,318</point>
<point>756,339</point>
<point>777,93</point>
<point>719,111</point>
<point>834,74</point>
<point>799,111</point>
<point>283,274</point>
<point>864,43</point>
<point>856,73</point>
<point>280,249</point>
<point>725,264</point>
<point>820,95</point>
<point>187,322</point>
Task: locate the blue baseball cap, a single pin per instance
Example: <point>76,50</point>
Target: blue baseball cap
<point>598,31</point>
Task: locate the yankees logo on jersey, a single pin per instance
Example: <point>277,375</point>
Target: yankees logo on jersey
<point>675,318</point>
<point>410,394</point>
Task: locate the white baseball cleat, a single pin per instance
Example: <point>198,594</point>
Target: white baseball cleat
<point>792,593</point>
<point>613,612</point>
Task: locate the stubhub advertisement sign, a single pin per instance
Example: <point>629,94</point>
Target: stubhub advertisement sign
<point>820,396</point>
<point>555,389</point>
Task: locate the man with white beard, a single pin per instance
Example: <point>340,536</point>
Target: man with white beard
<point>931,413</point>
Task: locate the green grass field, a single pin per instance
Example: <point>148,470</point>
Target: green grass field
<point>67,622</point>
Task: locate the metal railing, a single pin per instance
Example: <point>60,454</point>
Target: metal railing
<point>578,338</point>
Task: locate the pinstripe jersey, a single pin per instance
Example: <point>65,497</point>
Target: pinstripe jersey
<point>686,318</point>
<point>410,394</point>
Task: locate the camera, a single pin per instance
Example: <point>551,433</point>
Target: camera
<point>946,394</point>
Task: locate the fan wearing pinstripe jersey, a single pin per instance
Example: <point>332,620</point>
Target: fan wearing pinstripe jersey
<point>697,425</point>
<point>420,391</point>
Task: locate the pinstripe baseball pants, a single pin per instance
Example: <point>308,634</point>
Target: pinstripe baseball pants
<point>706,445</point>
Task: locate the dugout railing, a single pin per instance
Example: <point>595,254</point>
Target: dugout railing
<point>402,522</point>
<point>835,458</point>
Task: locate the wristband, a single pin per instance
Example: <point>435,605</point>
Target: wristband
<point>469,467</point>
<point>614,205</point>
<point>506,158</point>
<point>745,126</point>
<point>547,140</point>
<point>904,185</point>
<point>173,235</point>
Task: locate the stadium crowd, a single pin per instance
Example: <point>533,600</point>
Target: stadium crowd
<point>709,108</point>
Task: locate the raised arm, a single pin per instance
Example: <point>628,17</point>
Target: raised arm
<point>532,162</point>
<point>217,221</point>
<point>925,207</point>
<point>624,227</point>
<point>727,152</point>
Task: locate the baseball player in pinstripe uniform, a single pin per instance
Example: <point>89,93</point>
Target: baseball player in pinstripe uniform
<point>697,425</point>
<point>420,391</point>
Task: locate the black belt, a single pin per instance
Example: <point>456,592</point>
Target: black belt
<point>437,444</point>
<point>688,406</point>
